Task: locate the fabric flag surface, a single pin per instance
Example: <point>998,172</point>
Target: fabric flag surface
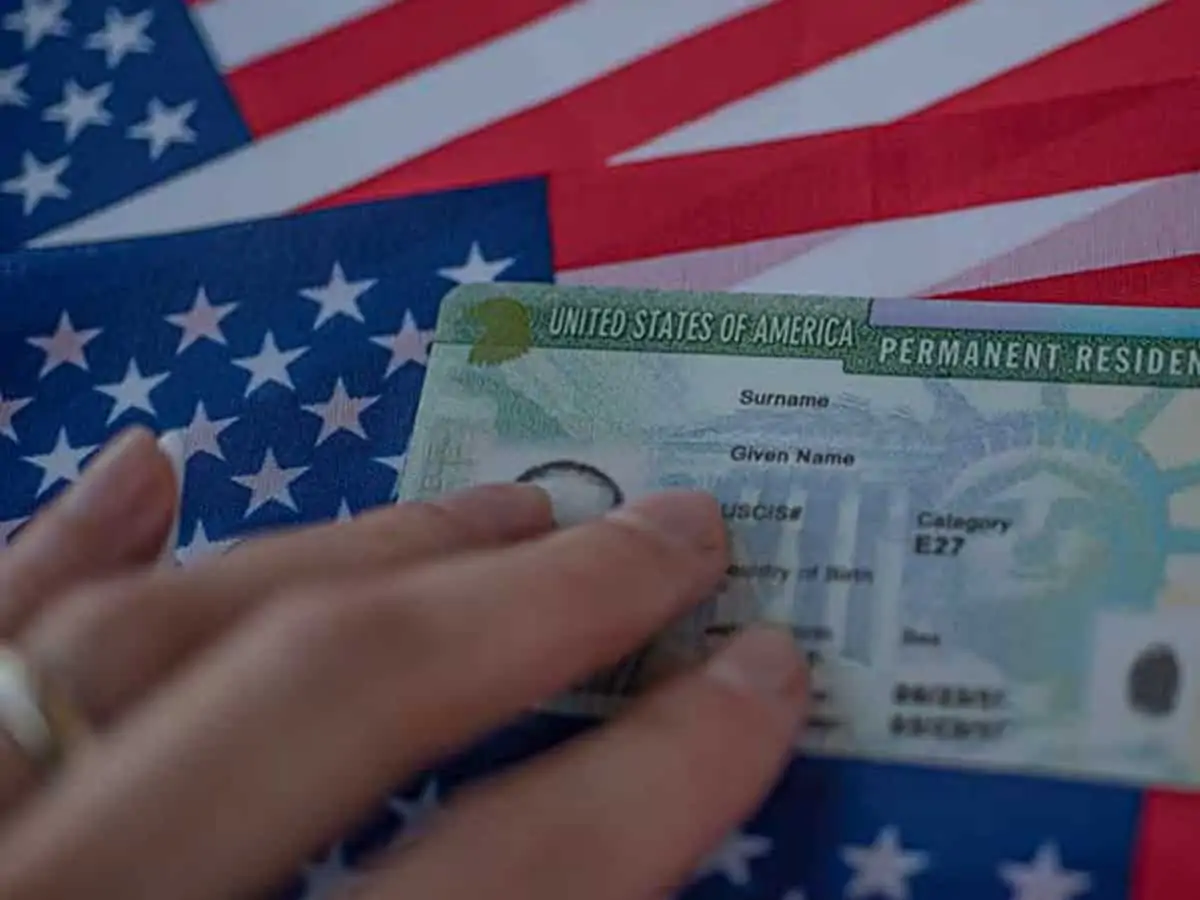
<point>1010,140</point>
<point>1003,148</point>
<point>291,351</point>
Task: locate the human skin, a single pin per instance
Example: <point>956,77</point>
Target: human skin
<point>248,709</point>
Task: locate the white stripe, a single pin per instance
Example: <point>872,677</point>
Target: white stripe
<point>241,31</point>
<point>413,116</point>
<point>907,257</point>
<point>898,76</point>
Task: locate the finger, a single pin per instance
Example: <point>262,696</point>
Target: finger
<point>116,515</point>
<point>482,516</point>
<point>657,790</point>
<point>110,644</point>
<point>297,724</point>
<point>173,446</point>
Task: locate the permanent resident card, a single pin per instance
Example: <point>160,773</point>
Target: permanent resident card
<point>981,521</point>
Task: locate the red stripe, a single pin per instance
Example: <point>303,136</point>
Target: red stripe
<point>1151,48</point>
<point>1167,282</point>
<point>1167,864</point>
<point>655,94</point>
<point>808,184</point>
<point>333,68</point>
<point>921,166</point>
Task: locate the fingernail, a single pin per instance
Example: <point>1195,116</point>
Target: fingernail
<point>686,517</point>
<point>763,661</point>
<point>119,484</point>
<point>171,445</point>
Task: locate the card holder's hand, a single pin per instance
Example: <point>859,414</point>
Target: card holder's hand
<point>116,517</point>
<point>249,709</point>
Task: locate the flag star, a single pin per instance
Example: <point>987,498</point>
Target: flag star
<point>329,878</point>
<point>164,126</point>
<point>202,320</point>
<point>132,391</point>
<point>65,346</point>
<point>343,512</point>
<point>476,270</point>
<point>202,546</point>
<point>416,815</point>
<point>79,108</point>
<point>1044,878</point>
<point>270,364</point>
<point>200,435</point>
<point>270,483</point>
<point>10,86</point>
<point>732,858</point>
<point>340,412</point>
<point>409,344</point>
<point>121,35</point>
<point>38,181</point>
<point>9,407</point>
<point>62,463</point>
<point>37,20</point>
<point>883,868</point>
<point>338,296</point>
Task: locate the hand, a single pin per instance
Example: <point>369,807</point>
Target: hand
<point>249,709</point>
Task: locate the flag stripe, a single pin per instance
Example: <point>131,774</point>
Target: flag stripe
<point>1166,866</point>
<point>644,99</point>
<point>916,167</point>
<point>1155,223</point>
<point>1085,231</point>
<point>1142,51</point>
<point>867,88</point>
<point>346,63</point>
<point>1166,282</point>
<point>715,269</point>
<point>324,155</point>
<point>241,31</point>
<point>908,257</point>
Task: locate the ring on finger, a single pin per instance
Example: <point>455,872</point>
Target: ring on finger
<point>36,714</point>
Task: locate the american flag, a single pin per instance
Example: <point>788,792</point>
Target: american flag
<point>840,830</point>
<point>290,352</point>
<point>1001,148</point>
<point>1031,149</point>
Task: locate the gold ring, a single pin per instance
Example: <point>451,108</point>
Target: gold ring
<point>37,714</point>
